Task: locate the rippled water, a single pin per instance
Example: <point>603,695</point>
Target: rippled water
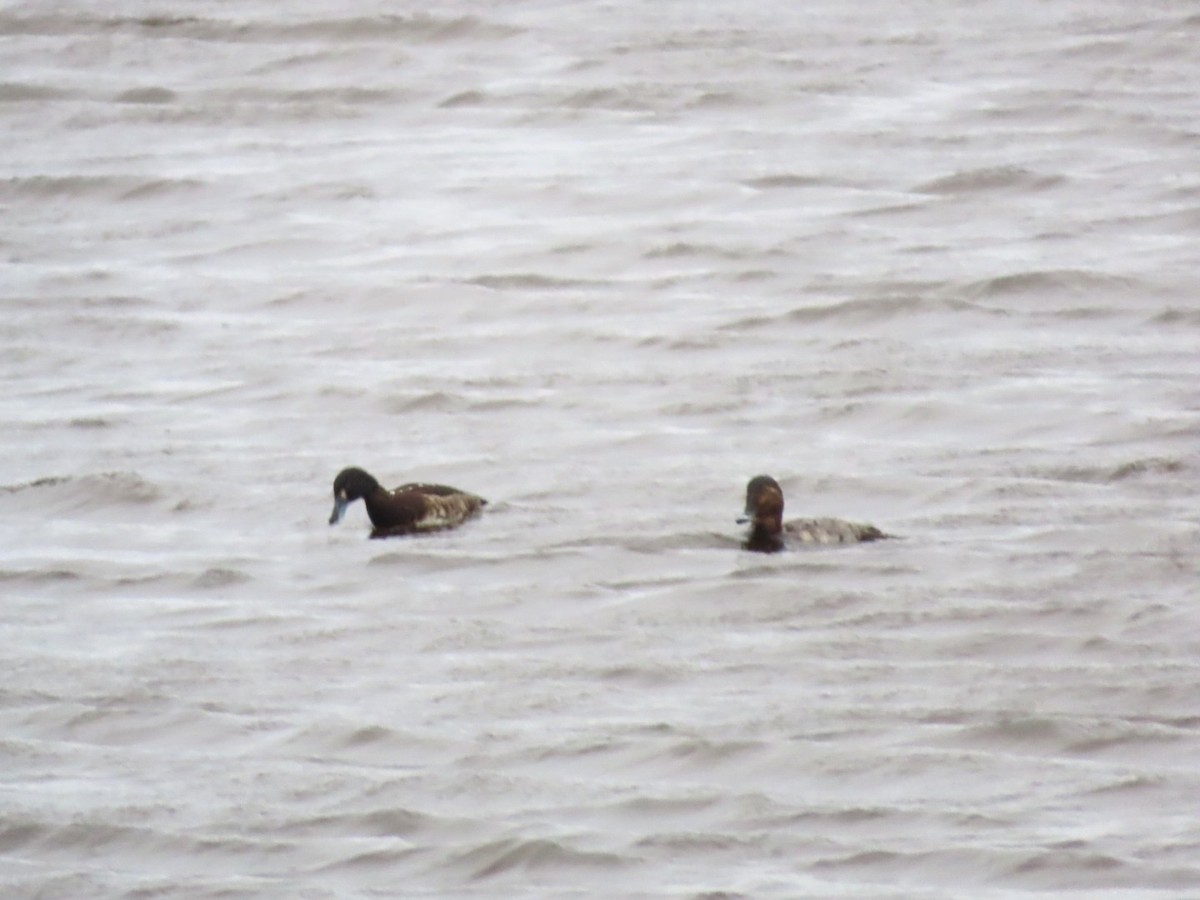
<point>932,266</point>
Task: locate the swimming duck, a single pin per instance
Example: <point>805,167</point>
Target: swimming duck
<point>764,510</point>
<point>408,509</point>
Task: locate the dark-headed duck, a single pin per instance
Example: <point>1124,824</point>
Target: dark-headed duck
<point>408,509</point>
<point>768,531</point>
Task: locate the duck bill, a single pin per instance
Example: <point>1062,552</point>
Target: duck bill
<point>743,519</point>
<point>339,510</point>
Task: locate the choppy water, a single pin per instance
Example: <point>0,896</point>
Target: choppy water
<point>933,266</point>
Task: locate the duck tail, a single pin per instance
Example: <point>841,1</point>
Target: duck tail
<point>871,533</point>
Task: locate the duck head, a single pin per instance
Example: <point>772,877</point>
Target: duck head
<point>350,485</point>
<point>764,506</point>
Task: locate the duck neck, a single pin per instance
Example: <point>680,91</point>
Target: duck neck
<point>763,540</point>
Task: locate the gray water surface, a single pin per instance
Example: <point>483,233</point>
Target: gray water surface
<point>932,266</point>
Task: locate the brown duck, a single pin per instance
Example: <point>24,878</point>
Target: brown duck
<point>769,533</point>
<point>408,509</point>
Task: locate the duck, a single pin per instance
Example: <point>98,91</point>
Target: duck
<point>408,509</point>
<point>768,531</point>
